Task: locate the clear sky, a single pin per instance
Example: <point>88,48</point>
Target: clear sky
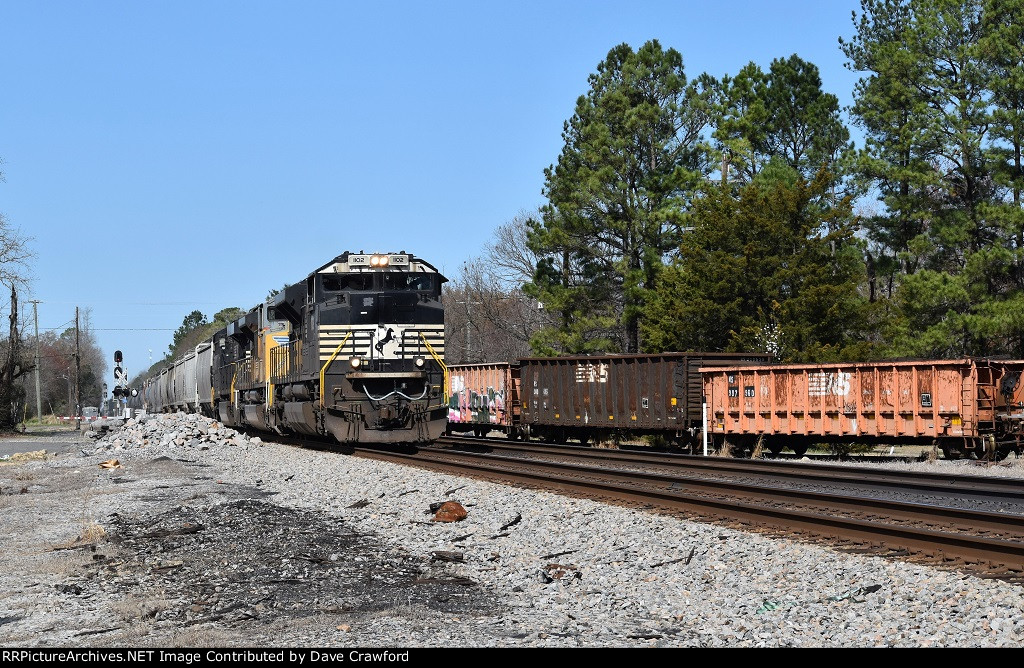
<point>173,155</point>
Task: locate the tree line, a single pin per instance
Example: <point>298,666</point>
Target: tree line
<point>195,328</point>
<point>734,213</point>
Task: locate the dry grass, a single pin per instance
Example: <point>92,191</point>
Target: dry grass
<point>197,637</point>
<point>135,609</point>
<point>92,533</point>
<point>759,448</point>
<point>725,450</point>
<point>22,457</point>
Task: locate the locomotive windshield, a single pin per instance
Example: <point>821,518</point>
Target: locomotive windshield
<point>339,282</point>
<point>403,281</point>
<point>380,281</point>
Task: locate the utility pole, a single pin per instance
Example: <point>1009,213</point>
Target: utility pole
<point>469,348</point>
<point>78,375</point>
<point>39,403</point>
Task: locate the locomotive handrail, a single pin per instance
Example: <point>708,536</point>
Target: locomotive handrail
<point>323,369</point>
<point>444,368</point>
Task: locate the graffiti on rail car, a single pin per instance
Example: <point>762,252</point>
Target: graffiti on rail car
<point>825,384</point>
<point>471,405</point>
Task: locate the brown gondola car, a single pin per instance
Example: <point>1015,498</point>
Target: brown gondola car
<point>962,406</point>
<point>594,397</point>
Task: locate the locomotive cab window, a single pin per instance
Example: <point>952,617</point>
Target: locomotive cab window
<point>340,282</point>
<point>407,281</point>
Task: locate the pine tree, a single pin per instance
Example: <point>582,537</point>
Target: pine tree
<point>632,158</point>
<point>762,270</point>
<point>940,106</point>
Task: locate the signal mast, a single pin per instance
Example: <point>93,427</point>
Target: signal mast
<point>121,389</point>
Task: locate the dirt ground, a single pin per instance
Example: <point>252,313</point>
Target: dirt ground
<point>159,553</point>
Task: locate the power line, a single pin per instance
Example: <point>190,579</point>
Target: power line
<point>50,329</point>
<point>120,303</point>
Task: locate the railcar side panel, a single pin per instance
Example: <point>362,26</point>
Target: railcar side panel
<point>635,393</point>
<point>189,399</point>
<point>483,397</point>
<point>204,378</point>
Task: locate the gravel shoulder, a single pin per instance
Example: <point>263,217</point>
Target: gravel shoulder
<point>203,537</point>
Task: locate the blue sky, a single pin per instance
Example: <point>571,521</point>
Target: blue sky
<point>166,156</point>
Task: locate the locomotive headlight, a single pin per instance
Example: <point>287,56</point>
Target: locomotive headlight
<point>419,362</point>
<point>375,261</point>
<point>383,260</point>
<point>355,362</point>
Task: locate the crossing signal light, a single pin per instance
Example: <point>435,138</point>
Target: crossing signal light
<point>117,357</point>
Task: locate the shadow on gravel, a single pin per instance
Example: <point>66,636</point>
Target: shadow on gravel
<point>253,560</point>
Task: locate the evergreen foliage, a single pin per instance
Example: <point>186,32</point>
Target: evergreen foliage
<point>617,199</point>
<point>941,106</point>
<point>765,269</point>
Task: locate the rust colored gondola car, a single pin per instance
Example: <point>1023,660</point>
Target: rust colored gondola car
<point>966,406</point>
<point>484,397</point>
<point>593,397</point>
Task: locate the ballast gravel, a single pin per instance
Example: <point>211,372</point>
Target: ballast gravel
<point>525,568</point>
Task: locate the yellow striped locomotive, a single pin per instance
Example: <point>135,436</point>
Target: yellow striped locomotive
<point>353,352</point>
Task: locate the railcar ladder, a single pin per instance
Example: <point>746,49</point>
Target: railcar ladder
<point>980,401</point>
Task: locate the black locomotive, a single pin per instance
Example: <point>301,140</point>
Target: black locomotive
<point>355,352</point>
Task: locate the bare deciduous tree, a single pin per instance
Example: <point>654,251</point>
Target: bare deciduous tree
<point>489,318</point>
<point>14,257</point>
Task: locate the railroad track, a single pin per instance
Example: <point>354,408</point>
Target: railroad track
<point>948,485</point>
<point>988,543</point>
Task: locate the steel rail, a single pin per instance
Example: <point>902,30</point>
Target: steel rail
<point>973,548</point>
<point>920,481</point>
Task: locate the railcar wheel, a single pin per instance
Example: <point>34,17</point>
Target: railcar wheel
<point>949,452</point>
<point>800,450</point>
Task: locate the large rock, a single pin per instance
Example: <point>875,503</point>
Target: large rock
<point>450,511</point>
